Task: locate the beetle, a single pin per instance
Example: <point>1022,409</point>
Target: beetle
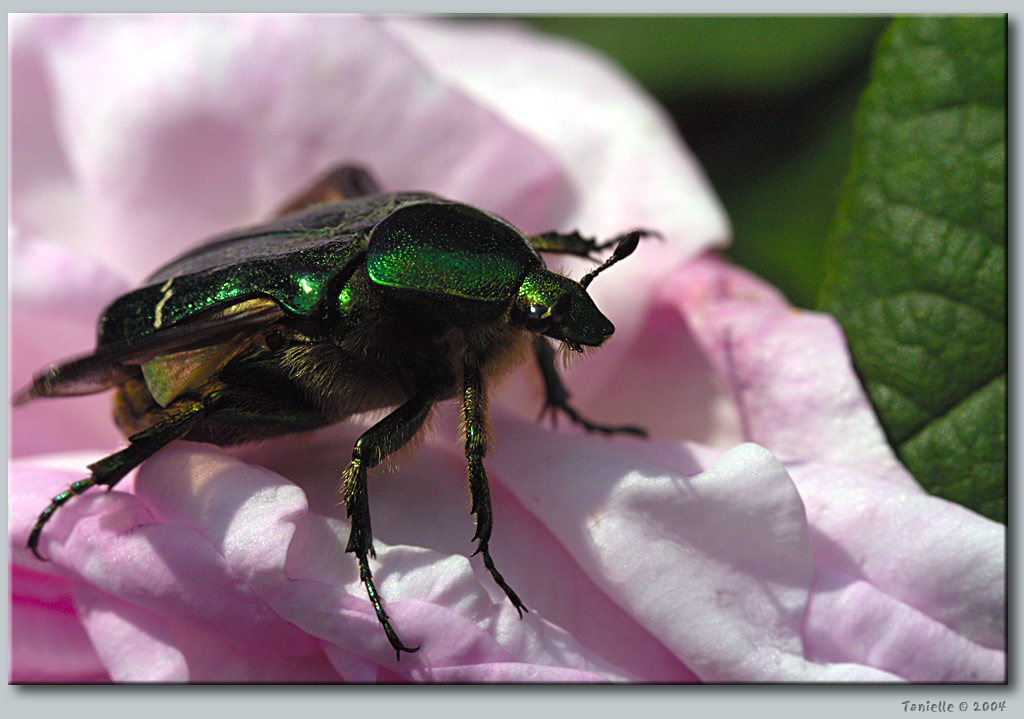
<point>350,300</point>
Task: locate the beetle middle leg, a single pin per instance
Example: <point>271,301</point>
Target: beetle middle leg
<point>556,396</point>
<point>474,426</point>
<point>110,470</point>
<point>382,439</point>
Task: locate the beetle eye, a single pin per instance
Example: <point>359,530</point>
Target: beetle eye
<point>535,318</point>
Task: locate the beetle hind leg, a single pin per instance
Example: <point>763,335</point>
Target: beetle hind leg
<point>474,426</point>
<point>112,469</point>
<point>344,182</point>
<point>383,438</point>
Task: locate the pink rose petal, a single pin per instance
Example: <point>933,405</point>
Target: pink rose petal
<point>851,620</point>
<point>165,154</point>
<point>753,578</point>
<point>788,370</point>
<point>933,570</point>
<point>47,639</point>
<point>813,557</point>
<point>938,557</point>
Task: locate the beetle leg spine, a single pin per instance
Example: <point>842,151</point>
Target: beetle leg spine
<point>477,433</point>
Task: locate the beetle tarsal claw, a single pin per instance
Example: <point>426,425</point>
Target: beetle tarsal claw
<point>366,576</point>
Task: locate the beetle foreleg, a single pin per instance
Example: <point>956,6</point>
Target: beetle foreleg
<point>111,470</point>
<point>474,426</point>
<point>383,438</point>
<point>556,396</point>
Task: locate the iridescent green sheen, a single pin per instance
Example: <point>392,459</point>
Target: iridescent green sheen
<point>581,321</point>
<point>297,285</point>
<point>344,298</point>
<point>449,249</point>
<point>289,260</point>
<point>377,301</point>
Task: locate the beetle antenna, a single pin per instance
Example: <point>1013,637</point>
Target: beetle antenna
<point>623,249</point>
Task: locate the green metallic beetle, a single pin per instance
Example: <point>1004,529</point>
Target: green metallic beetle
<point>350,301</point>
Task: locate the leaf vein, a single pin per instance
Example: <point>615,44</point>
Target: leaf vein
<point>945,411</point>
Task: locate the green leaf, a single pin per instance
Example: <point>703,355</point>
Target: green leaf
<point>917,274</point>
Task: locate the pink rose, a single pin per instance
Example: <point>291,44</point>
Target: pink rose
<point>766,532</point>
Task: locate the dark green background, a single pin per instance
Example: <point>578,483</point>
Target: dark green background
<point>862,162</point>
<point>767,106</point>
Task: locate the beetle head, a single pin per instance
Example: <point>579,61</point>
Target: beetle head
<point>555,306</point>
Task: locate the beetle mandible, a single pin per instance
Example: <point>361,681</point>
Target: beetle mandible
<point>350,300</point>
